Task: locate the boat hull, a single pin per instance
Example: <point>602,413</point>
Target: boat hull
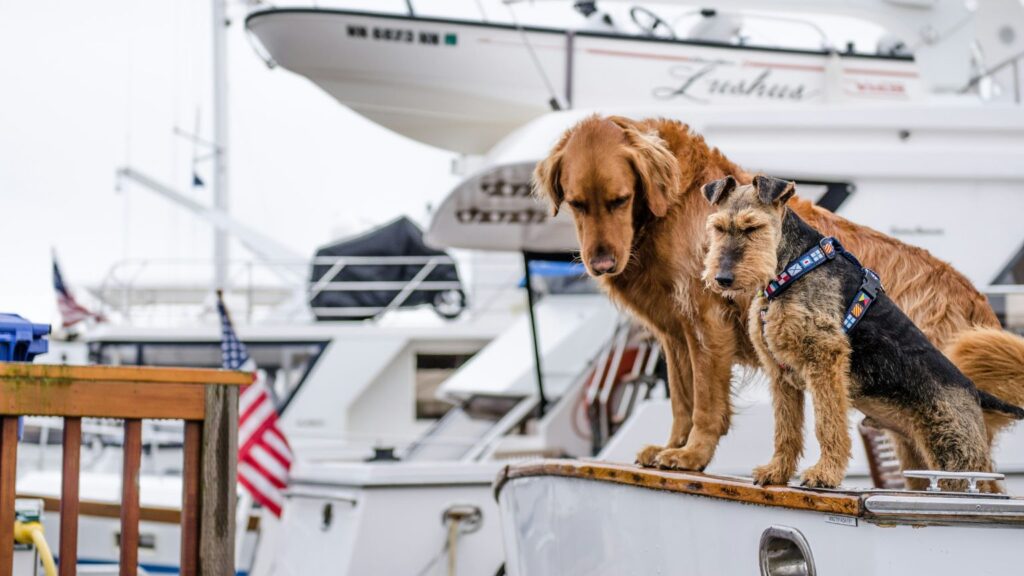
<point>435,80</point>
<point>561,525</point>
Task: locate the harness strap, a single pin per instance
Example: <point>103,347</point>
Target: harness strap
<point>870,286</point>
<point>826,250</point>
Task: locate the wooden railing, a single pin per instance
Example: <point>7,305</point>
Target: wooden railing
<point>207,400</point>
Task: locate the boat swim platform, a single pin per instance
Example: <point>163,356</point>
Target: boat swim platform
<point>872,505</point>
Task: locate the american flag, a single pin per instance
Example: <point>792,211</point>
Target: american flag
<point>71,312</point>
<point>264,457</point>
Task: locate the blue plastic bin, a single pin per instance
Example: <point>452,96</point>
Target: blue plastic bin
<point>21,341</point>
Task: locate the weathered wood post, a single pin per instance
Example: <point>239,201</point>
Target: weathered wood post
<point>219,462</point>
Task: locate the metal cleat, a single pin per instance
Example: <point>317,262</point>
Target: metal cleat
<point>933,477</point>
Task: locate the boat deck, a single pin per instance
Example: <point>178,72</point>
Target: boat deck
<point>877,506</point>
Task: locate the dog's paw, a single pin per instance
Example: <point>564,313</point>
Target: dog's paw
<point>821,476</point>
<point>771,473</point>
<point>681,459</point>
<point>647,456</point>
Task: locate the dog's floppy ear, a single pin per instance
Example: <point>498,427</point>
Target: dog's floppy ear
<point>547,175</point>
<point>717,190</point>
<point>656,168</point>
<point>773,190</point>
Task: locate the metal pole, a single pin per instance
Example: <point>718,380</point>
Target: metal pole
<point>220,140</point>
<point>542,404</point>
<point>570,49</point>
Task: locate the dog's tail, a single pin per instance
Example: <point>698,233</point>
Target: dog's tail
<point>994,360</point>
<point>992,404</point>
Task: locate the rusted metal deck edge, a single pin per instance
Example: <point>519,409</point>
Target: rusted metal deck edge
<point>695,483</point>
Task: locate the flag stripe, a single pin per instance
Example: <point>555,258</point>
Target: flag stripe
<point>267,466</point>
<point>264,456</point>
<point>262,491</point>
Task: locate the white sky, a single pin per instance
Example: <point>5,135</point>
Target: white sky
<point>86,87</point>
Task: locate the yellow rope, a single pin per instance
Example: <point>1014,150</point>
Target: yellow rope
<point>32,533</point>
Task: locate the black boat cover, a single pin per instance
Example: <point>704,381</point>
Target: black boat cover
<point>399,238</point>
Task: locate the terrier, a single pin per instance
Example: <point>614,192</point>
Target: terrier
<point>821,322</point>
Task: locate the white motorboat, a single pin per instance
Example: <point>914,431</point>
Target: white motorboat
<point>653,522</point>
<point>436,79</point>
<point>926,145</point>
<point>918,170</point>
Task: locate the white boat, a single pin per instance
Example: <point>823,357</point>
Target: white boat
<point>654,522</point>
<point>924,157</point>
<point>436,79</point>
<point>917,170</point>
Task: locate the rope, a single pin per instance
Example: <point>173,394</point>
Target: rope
<point>450,547</point>
<point>453,539</point>
<point>553,101</point>
<point>32,533</point>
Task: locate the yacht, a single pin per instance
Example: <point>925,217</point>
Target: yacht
<point>931,117</point>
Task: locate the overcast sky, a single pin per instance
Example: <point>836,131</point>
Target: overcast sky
<point>86,87</point>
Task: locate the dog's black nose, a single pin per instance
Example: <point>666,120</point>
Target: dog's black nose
<point>724,279</point>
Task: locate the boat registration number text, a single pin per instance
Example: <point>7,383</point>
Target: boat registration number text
<point>401,35</point>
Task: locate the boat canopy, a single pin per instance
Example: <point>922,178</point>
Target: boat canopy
<point>386,268</point>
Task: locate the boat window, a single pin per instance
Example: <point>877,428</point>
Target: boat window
<point>1013,273</point>
<point>830,195</point>
<point>489,408</point>
<point>431,371</point>
<point>1008,300</point>
<point>284,364</point>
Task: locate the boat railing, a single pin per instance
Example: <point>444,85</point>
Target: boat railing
<point>205,400</point>
<point>156,291</point>
<point>98,435</point>
<point>329,282</point>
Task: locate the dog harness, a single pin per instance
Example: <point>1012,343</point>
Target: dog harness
<point>826,251</point>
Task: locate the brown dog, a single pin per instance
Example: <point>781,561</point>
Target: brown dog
<point>822,324</point>
<point>634,189</point>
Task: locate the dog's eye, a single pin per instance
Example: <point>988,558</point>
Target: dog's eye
<point>750,230</point>
<point>578,206</point>
<point>719,228</point>
<point>618,202</point>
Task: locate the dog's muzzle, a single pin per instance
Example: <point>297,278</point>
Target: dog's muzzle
<point>603,264</point>
<point>724,279</point>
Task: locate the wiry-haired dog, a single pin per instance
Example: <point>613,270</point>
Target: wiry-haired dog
<point>823,324</point>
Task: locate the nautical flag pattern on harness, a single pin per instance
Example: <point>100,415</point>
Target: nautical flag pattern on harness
<point>826,250</point>
<point>807,261</point>
<point>264,456</point>
<point>861,302</point>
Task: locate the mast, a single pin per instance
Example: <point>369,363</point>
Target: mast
<point>220,141</point>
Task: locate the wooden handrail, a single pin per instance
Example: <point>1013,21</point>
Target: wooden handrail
<point>207,400</point>
<point>15,371</point>
<point>89,391</point>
